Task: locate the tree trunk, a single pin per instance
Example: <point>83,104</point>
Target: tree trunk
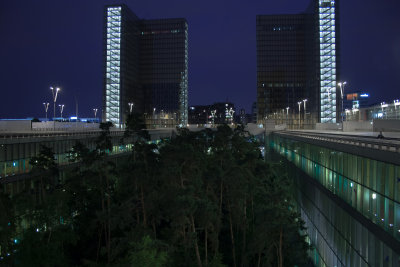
<point>280,248</point>
<point>244,232</point>
<point>259,259</point>
<point>108,222</point>
<point>232,240</point>
<point>154,229</point>
<point>48,239</point>
<point>196,247</point>
<point>136,203</point>
<point>43,197</point>
<point>205,246</point>
<point>220,197</point>
<point>98,244</point>
<point>143,206</point>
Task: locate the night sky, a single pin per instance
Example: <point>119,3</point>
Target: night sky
<point>59,43</point>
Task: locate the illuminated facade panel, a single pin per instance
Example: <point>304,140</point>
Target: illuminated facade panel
<point>327,47</point>
<point>113,57</point>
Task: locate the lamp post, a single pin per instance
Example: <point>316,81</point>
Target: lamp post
<point>304,101</point>
<point>54,99</point>
<point>131,105</point>
<point>95,114</point>
<point>154,117</point>
<point>61,109</point>
<point>46,107</point>
<point>341,85</point>
<point>299,103</point>
<point>287,115</point>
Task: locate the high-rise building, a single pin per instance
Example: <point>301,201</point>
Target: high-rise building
<point>296,60</point>
<point>146,67</point>
<point>283,75</point>
<point>328,30</point>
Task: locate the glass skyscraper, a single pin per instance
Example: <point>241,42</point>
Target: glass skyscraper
<point>285,73</point>
<point>146,64</point>
<point>297,60</point>
<point>328,64</point>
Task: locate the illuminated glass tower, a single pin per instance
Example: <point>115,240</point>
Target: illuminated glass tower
<point>146,64</point>
<point>113,64</point>
<point>327,61</point>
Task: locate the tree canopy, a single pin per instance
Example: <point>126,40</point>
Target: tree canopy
<point>203,198</point>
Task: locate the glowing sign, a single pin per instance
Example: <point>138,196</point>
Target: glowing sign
<point>364,95</point>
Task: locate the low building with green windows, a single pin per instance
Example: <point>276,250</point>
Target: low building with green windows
<point>16,150</point>
<point>348,191</point>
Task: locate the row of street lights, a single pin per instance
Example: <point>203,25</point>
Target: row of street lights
<point>341,85</point>
<point>46,108</point>
<point>54,92</point>
<point>299,103</point>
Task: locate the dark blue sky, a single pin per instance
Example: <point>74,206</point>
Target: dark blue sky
<point>59,42</point>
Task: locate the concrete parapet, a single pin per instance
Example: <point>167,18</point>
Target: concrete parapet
<point>328,126</point>
<point>357,126</point>
<point>63,126</point>
<point>386,125</point>
<point>15,125</point>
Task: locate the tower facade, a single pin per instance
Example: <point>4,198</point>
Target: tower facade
<point>285,69</point>
<point>164,68</point>
<point>297,62</point>
<point>146,67</point>
<point>328,71</point>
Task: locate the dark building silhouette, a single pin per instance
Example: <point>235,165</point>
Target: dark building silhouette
<point>282,52</point>
<point>296,60</point>
<point>217,113</point>
<point>146,67</point>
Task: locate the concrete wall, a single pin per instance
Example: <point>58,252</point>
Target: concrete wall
<point>386,125</point>
<point>269,125</point>
<point>281,127</point>
<point>63,126</point>
<point>354,126</point>
<point>328,126</point>
<point>17,125</point>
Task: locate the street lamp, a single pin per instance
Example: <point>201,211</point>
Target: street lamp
<point>54,99</point>
<point>287,115</point>
<point>154,117</point>
<point>131,105</point>
<point>341,85</point>
<point>304,100</point>
<point>299,103</point>
<point>46,107</point>
<point>61,109</point>
<point>95,113</point>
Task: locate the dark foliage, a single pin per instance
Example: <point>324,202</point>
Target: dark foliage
<point>200,199</point>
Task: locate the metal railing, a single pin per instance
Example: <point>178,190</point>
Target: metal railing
<point>386,144</point>
<point>54,134</point>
